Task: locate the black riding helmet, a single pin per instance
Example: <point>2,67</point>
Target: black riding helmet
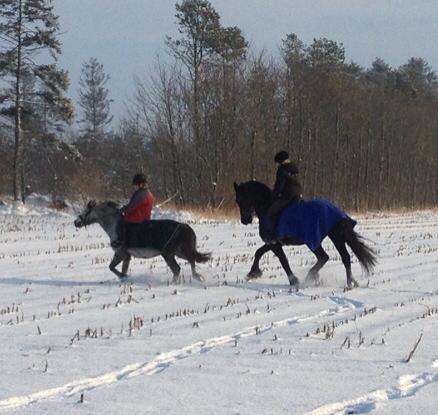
<point>281,156</point>
<point>139,179</point>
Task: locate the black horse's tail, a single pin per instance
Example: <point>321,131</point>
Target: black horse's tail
<point>366,255</point>
<point>202,257</point>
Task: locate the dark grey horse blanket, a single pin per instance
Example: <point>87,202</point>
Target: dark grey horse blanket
<point>155,234</point>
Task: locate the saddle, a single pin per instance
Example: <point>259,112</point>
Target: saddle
<point>152,234</point>
<point>268,229</point>
<point>138,235</point>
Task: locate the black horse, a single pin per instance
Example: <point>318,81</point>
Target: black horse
<point>255,197</point>
<point>167,238</point>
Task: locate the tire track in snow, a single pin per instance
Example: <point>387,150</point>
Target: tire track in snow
<point>408,385</point>
<point>156,365</point>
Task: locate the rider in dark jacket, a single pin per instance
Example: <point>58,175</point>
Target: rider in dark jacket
<point>287,190</point>
<point>287,187</point>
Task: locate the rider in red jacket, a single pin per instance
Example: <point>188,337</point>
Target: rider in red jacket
<point>140,206</point>
<point>138,210</point>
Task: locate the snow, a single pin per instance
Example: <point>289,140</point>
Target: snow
<point>37,204</point>
<point>69,328</point>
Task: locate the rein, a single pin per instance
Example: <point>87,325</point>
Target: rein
<point>100,217</point>
<point>171,237</point>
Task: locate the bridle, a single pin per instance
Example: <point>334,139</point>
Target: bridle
<point>84,218</point>
<point>250,205</point>
<point>246,209</point>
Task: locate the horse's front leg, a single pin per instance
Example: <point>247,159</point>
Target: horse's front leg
<point>278,251</point>
<point>255,271</point>
<point>119,256</point>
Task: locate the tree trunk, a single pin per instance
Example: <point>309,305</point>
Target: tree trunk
<point>333,192</point>
<point>18,151</point>
<point>252,154</point>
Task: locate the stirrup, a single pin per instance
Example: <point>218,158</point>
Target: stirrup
<point>116,244</point>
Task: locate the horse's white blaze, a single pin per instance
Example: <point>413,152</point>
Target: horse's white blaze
<point>143,252</point>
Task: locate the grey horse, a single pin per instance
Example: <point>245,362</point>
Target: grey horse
<point>167,238</point>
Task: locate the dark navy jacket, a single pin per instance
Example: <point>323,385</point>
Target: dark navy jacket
<point>287,186</point>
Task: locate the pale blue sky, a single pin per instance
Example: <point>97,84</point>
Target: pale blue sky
<point>126,35</point>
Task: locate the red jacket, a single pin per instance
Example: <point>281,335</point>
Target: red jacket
<point>139,207</point>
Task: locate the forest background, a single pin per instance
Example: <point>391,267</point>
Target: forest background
<point>215,112</point>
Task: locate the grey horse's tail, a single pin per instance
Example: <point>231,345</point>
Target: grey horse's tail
<point>187,241</point>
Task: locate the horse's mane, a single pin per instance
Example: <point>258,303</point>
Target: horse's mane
<point>258,187</point>
<point>112,204</point>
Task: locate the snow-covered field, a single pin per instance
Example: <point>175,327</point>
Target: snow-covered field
<point>74,340</point>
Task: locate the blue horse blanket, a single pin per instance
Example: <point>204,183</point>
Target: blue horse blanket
<point>309,221</point>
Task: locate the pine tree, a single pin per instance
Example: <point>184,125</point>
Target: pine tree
<point>27,28</point>
<point>93,99</point>
<point>202,40</point>
<point>325,52</point>
<point>417,77</point>
<point>198,23</point>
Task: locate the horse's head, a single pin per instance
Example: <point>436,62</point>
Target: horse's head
<point>252,197</point>
<point>244,201</point>
<point>94,213</point>
<point>87,216</point>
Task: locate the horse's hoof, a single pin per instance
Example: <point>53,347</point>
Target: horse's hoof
<point>254,274</point>
<point>198,277</point>
<point>312,279</point>
<point>293,289</point>
<point>352,284</point>
<point>294,282</point>
<point>123,276</point>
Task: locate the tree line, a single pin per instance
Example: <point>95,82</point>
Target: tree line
<point>216,112</point>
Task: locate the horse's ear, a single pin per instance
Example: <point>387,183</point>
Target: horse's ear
<point>236,186</point>
<point>91,204</point>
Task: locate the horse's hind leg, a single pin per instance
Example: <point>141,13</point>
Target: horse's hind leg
<point>185,246</point>
<point>339,243</point>
<point>173,265</point>
<point>195,274</point>
<point>322,258</point>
